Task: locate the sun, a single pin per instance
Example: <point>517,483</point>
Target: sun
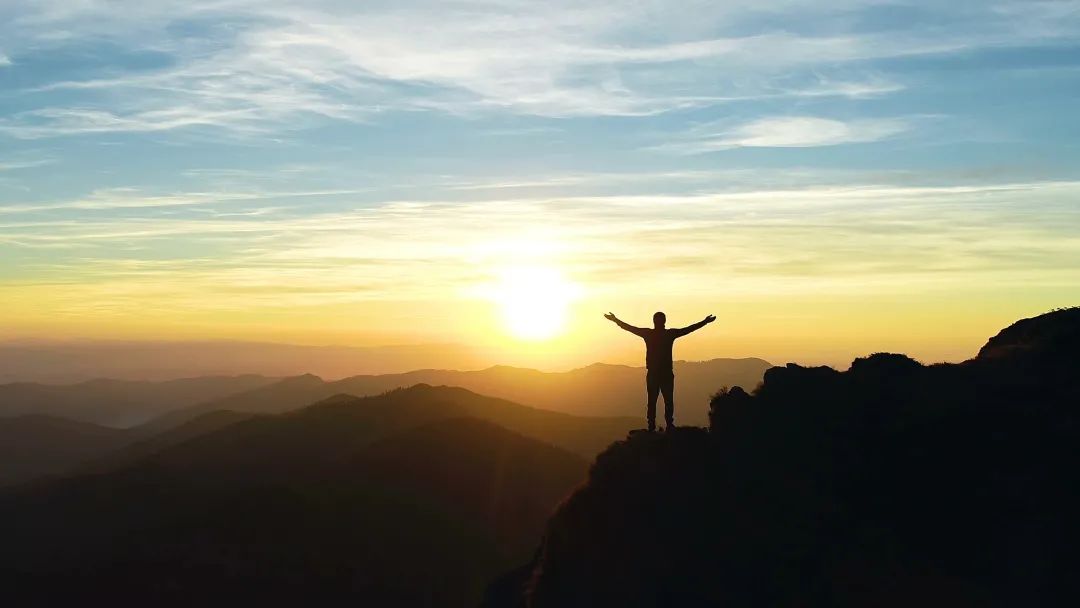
<point>533,301</point>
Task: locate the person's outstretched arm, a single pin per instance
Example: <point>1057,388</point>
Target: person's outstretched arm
<point>682,331</point>
<point>630,328</point>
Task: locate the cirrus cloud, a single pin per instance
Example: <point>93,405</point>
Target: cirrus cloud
<point>247,66</point>
<point>790,132</point>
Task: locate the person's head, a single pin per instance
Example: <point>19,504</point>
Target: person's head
<point>659,319</point>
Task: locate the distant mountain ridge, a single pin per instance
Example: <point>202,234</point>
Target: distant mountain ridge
<point>35,445</point>
<point>119,403</point>
<point>78,361</point>
<point>142,443</point>
<point>405,407</point>
<point>40,445</point>
<point>596,390</point>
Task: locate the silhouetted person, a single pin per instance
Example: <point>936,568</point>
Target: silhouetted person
<point>660,377</point>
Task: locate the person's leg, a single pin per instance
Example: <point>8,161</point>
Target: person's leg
<point>652,386</point>
<point>668,388</point>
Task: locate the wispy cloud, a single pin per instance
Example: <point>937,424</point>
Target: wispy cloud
<point>789,132</point>
<point>845,223</point>
<point>281,64</point>
<point>132,198</point>
<point>60,121</point>
<point>14,165</point>
<point>414,263</point>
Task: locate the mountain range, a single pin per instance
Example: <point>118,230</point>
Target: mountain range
<point>404,499</point>
<point>601,401</point>
<point>596,390</point>
<point>56,362</point>
<point>119,403</point>
<point>36,445</point>
<point>41,445</point>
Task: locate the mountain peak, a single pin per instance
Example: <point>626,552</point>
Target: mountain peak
<point>1056,333</point>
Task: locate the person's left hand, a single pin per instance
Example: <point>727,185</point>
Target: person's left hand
<point>710,318</point>
<point>610,316</point>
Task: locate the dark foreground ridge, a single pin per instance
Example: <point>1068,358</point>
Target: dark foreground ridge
<point>890,484</point>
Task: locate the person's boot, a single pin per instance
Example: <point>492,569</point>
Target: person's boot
<point>652,426</point>
<point>670,424</point>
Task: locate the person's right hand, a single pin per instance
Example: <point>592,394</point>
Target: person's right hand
<point>610,316</point>
<point>710,318</point>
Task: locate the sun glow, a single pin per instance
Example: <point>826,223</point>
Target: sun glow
<point>533,301</point>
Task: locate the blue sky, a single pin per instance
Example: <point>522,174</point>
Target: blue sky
<point>192,162</point>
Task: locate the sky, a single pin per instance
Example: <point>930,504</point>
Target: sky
<point>829,178</point>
